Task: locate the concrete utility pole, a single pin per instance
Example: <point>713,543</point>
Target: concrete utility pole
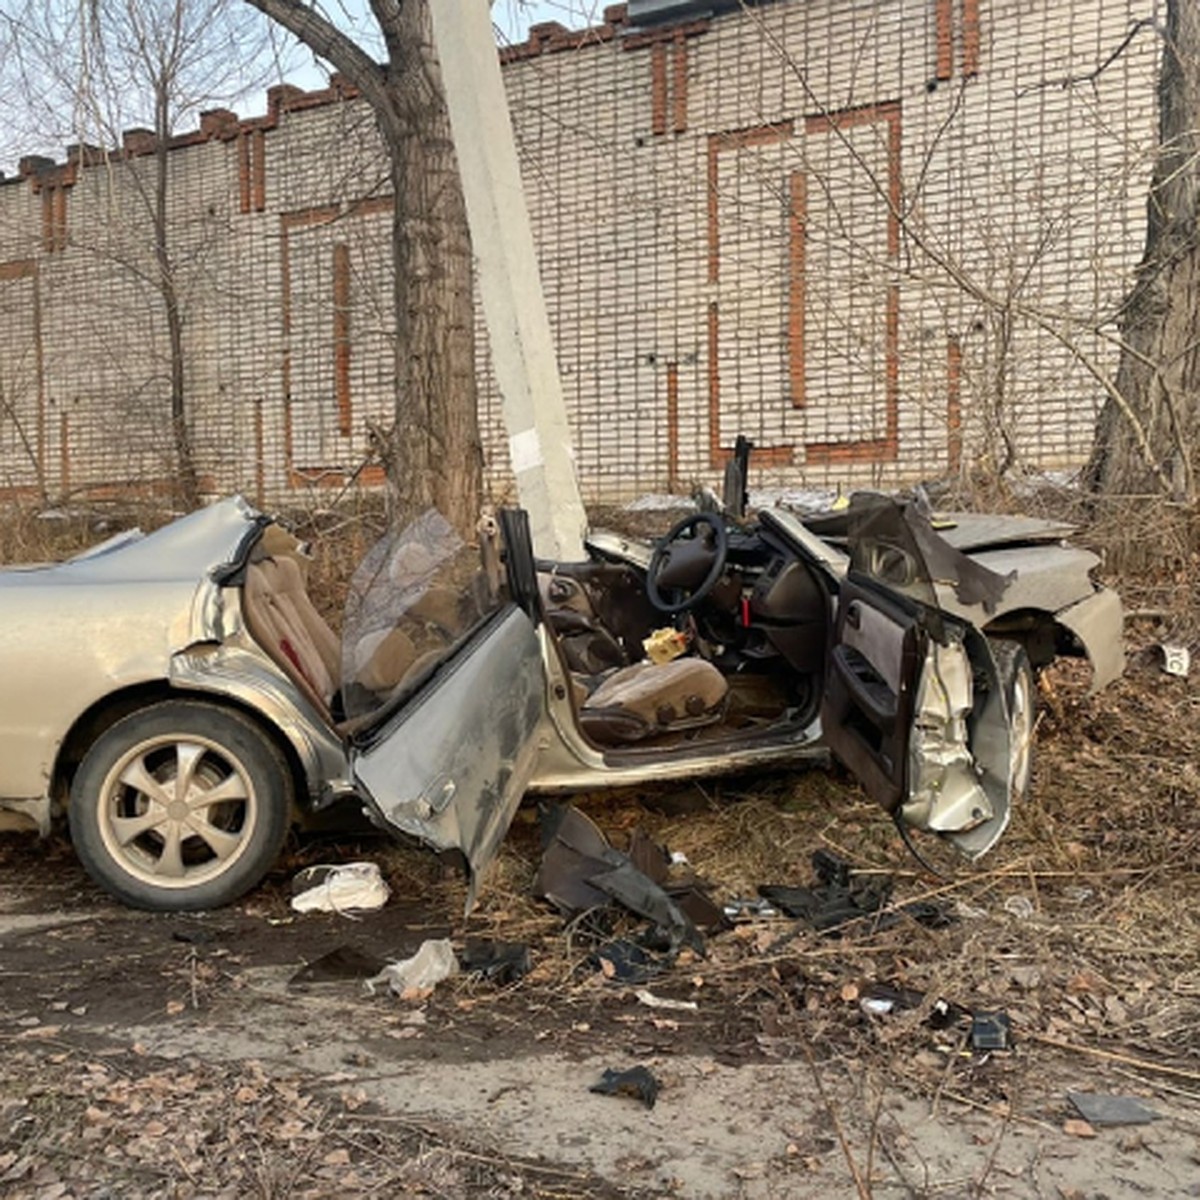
<point>539,438</point>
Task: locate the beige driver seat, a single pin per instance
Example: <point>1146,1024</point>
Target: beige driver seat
<point>648,699</point>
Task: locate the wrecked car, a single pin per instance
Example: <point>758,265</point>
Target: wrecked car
<point>179,695</point>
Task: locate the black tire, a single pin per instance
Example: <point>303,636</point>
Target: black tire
<point>1020,699</point>
<point>153,848</point>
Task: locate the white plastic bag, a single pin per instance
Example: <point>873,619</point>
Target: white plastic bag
<point>433,962</point>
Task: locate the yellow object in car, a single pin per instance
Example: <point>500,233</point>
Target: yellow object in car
<point>663,645</point>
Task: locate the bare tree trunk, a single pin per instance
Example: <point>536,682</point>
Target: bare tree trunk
<point>435,457</point>
<point>433,452</point>
<point>1149,446</point>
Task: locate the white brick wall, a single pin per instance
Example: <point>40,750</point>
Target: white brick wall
<point>777,222</point>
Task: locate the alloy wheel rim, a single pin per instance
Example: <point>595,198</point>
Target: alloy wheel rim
<point>177,810</point>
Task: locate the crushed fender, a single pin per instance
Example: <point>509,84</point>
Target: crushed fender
<point>580,870</point>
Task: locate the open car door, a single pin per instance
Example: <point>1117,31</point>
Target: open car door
<point>449,753</point>
<point>914,704</point>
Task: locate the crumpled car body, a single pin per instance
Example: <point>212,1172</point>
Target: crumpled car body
<point>181,699</point>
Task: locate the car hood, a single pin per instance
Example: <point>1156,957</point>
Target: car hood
<point>967,531</point>
<point>990,531</point>
<point>203,543</point>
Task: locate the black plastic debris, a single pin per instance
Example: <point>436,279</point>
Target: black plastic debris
<point>944,1014</point>
<point>698,906</point>
<point>580,871</point>
<point>500,963</point>
<point>1099,1109</point>
<point>637,1082</point>
<point>991,1031</point>
<point>839,897</point>
<point>625,961</point>
<point>830,869</point>
<point>648,856</point>
<point>339,965</point>
<point>195,937</point>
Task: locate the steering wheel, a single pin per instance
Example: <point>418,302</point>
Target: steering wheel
<point>684,563</point>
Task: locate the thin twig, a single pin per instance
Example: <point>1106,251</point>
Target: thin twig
<point>864,1191</point>
<point>1114,1056</point>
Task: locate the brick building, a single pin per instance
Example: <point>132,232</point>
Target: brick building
<point>884,238</point>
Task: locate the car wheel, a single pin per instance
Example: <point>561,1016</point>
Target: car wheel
<point>1020,696</point>
<point>180,806</point>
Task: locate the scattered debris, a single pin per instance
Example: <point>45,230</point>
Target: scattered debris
<point>943,1014</point>
<point>1074,1127</point>
<point>625,961</point>
<point>746,908</point>
<point>1020,907</point>
<point>1098,1109</point>
<point>346,962</point>
<point>650,1000</point>
<point>344,888</point>
<point>417,976</point>
<point>838,898</point>
<point>991,1031</point>
<point>637,1082</point>
<point>1176,660</point>
<point>880,999</point>
<point>580,870</point>
<point>500,963</point>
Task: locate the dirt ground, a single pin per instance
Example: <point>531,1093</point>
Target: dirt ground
<point>176,1056</point>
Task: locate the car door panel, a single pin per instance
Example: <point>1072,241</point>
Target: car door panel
<point>867,709</point>
<point>451,765</point>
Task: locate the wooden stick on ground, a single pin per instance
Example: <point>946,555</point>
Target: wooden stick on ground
<point>1113,1056</point>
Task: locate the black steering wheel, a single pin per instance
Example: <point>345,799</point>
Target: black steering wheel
<point>686,565</point>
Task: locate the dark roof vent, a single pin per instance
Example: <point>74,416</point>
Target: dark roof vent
<point>663,12</point>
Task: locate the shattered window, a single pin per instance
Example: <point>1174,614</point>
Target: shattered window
<point>415,597</point>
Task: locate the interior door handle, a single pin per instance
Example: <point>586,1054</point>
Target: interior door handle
<point>854,615</point>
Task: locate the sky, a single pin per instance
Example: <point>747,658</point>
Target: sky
<point>511,18</point>
<point>47,128</point>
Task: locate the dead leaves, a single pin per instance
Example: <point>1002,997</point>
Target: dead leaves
<point>167,1129</point>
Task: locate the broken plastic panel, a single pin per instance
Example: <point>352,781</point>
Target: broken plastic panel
<point>581,871</point>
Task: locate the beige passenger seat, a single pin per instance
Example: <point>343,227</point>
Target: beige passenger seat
<point>282,619</point>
